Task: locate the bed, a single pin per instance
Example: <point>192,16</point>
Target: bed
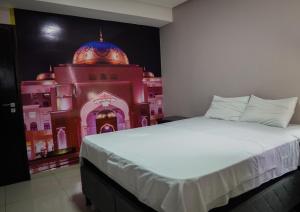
<point>191,165</point>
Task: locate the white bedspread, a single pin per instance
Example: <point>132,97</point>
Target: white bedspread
<point>196,164</point>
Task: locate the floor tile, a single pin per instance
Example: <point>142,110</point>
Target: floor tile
<point>42,174</point>
<point>78,203</point>
<point>58,202</point>
<point>70,181</point>
<point>31,189</point>
<point>73,190</point>
<point>70,167</point>
<point>67,172</point>
<point>71,185</point>
<point>47,203</point>
<point>54,190</point>
<point>2,197</point>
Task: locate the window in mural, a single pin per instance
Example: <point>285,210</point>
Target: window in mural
<point>61,138</point>
<point>79,80</point>
<point>33,126</point>
<point>144,121</point>
<point>47,126</point>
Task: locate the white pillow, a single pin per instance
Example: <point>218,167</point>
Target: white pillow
<point>229,109</point>
<point>276,113</point>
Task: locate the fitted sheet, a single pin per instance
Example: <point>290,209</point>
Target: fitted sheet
<point>196,164</point>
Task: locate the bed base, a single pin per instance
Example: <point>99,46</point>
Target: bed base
<point>108,196</point>
<point>105,194</point>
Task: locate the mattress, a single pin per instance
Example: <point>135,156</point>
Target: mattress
<point>196,164</point>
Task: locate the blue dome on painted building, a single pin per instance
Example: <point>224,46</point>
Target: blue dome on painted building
<point>100,52</point>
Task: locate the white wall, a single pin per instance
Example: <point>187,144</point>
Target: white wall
<point>230,48</point>
<point>7,16</point>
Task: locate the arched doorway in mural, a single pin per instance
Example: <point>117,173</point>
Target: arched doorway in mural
<point>61,138</point>
<point>144,121</point>
<point>106,121</point>
<point>104,113</point>
<point>107,128</point>
<point>111,115</point>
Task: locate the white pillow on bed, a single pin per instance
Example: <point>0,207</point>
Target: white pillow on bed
<point>276,113</point>
<point>229,109</point>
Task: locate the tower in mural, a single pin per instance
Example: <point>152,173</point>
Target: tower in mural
<point>99,92</point>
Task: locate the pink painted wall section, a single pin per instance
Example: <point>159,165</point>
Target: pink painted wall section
<point>102,73</point>
<point>82,100</point>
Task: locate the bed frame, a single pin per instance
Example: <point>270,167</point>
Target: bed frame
<point>105,194</point>
<point>108,196</point>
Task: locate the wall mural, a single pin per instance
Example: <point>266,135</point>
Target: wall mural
<point>102,77</point>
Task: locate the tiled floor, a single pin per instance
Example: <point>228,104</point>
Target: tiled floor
<point>52,191</point>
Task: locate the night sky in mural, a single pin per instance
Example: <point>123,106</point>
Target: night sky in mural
<point>54,39</point>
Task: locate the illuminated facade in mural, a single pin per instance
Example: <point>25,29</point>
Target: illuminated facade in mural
<point>99,92</point>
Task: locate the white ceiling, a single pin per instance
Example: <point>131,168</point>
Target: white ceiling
<point>164,3</point>
<point>155,13</point>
